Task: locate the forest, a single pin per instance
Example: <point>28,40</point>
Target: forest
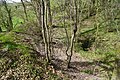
<point>60,40</point>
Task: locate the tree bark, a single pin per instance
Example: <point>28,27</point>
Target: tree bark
<point>44,31</point>
<point>25,11</point>
<point>73,35</point>
<point>10,23</point>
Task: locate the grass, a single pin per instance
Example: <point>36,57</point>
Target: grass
<point>17,21</point>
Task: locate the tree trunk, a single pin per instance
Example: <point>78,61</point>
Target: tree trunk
<point>24,7</point>
<point>10,23</point>
<point>73,35</point>
<point>44,31</point>
<point>49,25</point>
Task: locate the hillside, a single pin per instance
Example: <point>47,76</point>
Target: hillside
<point>60,40</point>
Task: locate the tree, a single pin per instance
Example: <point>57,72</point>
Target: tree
<point>9,20</point>
<point>75,19</point>
<point>49,26</point>
<point>25,12</point>
<point>45,29</point>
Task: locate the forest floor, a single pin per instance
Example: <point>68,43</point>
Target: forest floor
<point>81,68</point>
